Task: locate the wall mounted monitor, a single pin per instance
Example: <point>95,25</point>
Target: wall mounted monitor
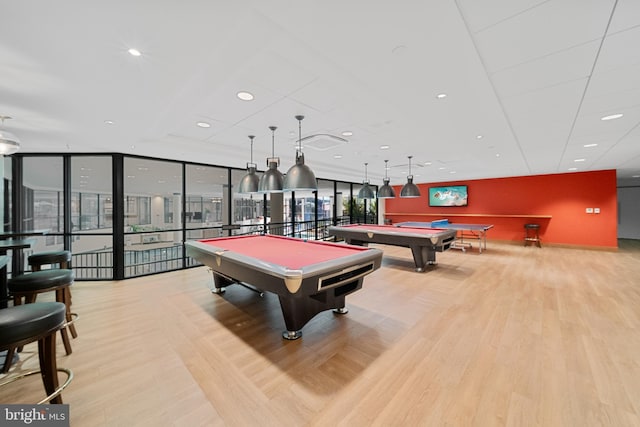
<point>453,195</point>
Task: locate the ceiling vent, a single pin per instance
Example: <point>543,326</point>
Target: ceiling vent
<point>323,141</point>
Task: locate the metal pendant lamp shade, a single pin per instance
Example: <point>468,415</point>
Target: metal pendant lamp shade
<point>272,181</point>
<point>300,176</point>
<point>410,190</point>
<point>366,192</point>
<point>386,191</point>
<point>9,143</point>
<point>249,182</point>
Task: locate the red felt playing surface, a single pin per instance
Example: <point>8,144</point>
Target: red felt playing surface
<point>287,252</point>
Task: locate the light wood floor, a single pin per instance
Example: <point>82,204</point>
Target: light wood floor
<point>511,337</point>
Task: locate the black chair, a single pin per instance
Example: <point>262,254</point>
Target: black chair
<point>39,322</point>
<point>532,234</point>
<point>28,286</point>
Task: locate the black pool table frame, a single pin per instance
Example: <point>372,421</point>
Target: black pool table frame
<point>302,293</point>
<point>423,244</point>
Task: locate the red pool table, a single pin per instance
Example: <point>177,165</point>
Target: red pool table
<point>308,276</point>
<point>424,242</point>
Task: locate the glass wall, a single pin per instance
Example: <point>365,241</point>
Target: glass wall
<point>247,210</point>
<point>206,206</point>
<point>92,216</point>
<point>325,207</point>
<point>139,226</point>
<point>152,236</point>
<point>43,203</point>
<point>343,202</point>
<point>6,191</point>
<point>363,210</point>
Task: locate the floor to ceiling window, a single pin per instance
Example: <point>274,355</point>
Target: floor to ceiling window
<point>126,216</point>
<point>91,217</point>
<point>42,200</point>
<point>153,239</point>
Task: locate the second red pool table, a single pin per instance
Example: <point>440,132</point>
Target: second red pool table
<point>424,242</point>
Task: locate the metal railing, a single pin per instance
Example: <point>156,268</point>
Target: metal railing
<point>98,265</point>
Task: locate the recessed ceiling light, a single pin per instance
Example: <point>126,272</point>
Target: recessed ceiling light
<point>441,168</point>
<point>579,160</point>
<point>347,133</point>
<point>427,163</point>
<point>612,117</point>
<point>590,145</point>
<point>161,181</point>
<point>479,136</point>
<point>108,122</point>
<point>452,171</point>
<point>384,147</point>
<point>337,156</point>
<point>441,95</point>
<point>635,176</point>
<point>203,125</point>
<point>573,169</point>
<point>245,96</point>
<point>134,52</point>
<point>497,154</point>
<point>133,147</point>
<point>131,176</point>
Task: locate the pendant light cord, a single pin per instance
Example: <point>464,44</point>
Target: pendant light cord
<point>273,144</point>
<point>300,133</point>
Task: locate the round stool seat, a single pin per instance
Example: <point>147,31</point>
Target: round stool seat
<point>40,281</point>
<point>49,257</point>
<point>23,324</point>
<point>26,323</point>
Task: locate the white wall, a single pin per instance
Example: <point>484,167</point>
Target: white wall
<point>629,212</point>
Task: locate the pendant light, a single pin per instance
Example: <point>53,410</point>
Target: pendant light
<point>9,143</point>
<point>410,189</point>
<point>366,192</point>
<point>386,191</point>
<point>249,182</point>
<point>300,176</point>
<point>272,181</point>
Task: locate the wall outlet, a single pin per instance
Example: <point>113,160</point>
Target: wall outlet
<point>596,210</point>
<point>589,210</point>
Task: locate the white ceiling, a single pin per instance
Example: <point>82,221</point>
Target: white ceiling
<point>532,77</point>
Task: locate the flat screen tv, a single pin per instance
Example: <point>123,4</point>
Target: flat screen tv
<point>453,195</point>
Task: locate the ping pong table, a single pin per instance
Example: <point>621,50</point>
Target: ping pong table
<point>465,231</point>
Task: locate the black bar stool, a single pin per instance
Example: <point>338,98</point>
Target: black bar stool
<point>39,322</point>
<point>532,234</point>
<point>28,286</point>
<point>59,259</point>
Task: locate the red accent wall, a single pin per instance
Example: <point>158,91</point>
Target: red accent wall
<point>562,197</point>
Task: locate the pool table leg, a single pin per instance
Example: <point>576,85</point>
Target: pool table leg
<point>423,255</point>
<point>297,311</point>
<point>219,283</point>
